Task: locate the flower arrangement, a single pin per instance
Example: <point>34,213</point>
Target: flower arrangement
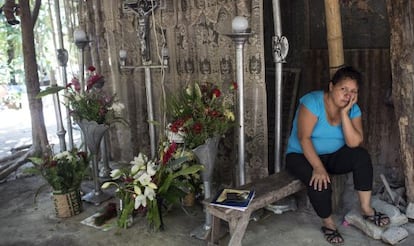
<point>201,112</point>
<point>147,181</point>
<point>63,171</point>
<point>91,103</point>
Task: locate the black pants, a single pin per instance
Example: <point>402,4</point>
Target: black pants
<point>345,160</point>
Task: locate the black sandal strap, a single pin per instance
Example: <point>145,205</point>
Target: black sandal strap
<point>377,218</point>
<point>331,234</point>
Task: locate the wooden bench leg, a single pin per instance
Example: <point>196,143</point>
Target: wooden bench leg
<point>215,230</point>
<point>238,228</point>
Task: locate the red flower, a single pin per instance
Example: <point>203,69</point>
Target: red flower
<point>91,68</point>
<point>175,127</point>
<point>216,92</point>
<point>197,128</point>
<point>214,113</point>
<point>94,79</point>
<point>233,86</point>
<point>128,180</point>
<point>76,84</point>
<point>169,153</point>
<point>82,155</point>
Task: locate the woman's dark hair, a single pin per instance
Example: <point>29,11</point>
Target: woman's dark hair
<point>347,72</point>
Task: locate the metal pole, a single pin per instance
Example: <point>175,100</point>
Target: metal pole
<point>63,59</point>
<point>60,129</point>
<point>150,110</point>
<point>82,85</point>
<point>240,99</point>
<point>239,39</point>
<point>105,170</point>
<point>280,49</point>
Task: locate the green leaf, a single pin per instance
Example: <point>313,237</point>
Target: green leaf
<point>166,184</point>
<point>36,160</point>
<point>179,160</point>
<point>49,90</point>
<point>189,170</point>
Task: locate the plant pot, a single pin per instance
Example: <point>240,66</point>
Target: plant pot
<point>189,200</point>
<point>67,204</point>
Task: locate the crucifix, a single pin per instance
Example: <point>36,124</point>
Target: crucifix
<point>143,9</point>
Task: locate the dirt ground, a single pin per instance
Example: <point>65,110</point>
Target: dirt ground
<point>24,222</point>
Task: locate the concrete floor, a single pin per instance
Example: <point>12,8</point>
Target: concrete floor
<point>23,222</point>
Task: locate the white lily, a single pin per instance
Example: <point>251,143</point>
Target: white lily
<point>149,193</point>
<point>151,168</point>
<point>116,174</point>
<point>137,190</point>
<point>138,174</point>
<point>152,186</point>
<point>145,179</point>
<point>140,200</point>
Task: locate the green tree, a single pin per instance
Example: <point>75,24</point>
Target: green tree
<point>40,142</point>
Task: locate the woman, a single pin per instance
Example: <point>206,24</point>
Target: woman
<point>325,139</point>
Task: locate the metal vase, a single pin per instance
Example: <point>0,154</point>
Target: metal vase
<point>93,133</point>
<point>206,155</point>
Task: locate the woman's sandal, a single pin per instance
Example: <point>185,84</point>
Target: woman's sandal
<point>377,219</point>
<point>332,236</point>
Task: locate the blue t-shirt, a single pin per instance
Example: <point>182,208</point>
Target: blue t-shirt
<point>326,138</point>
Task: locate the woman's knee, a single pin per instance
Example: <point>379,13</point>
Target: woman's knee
<point>321,201</point>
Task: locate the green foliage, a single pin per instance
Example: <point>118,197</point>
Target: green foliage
<point>63,171</point>
<point>199,113</point>
<point>11,47</point>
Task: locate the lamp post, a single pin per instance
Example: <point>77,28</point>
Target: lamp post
<point>81,40</point>
<point>62,57</point>
<point>240,34</point>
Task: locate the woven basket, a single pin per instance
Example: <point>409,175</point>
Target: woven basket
<point>189,200</point>
<point>67,204</point>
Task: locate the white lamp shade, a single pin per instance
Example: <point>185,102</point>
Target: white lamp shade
<point>239,24</point>
<point>79,35</point>
<point>123,54</point>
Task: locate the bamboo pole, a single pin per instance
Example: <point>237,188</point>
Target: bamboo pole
<point>336,60</point>
<point>334,35</point>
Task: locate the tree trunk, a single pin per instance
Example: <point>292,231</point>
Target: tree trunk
<point>401,18</point>
<point>39,136</point>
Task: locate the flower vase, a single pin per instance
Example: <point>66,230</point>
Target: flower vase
<point>206,155</point>
<point>93,133</point>
<point>67,204</point>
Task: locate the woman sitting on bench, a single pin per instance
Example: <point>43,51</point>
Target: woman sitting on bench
<point>325,139</point>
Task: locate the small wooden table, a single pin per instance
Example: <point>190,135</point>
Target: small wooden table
<point>268,190</point>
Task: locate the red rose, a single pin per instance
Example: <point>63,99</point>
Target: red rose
<point>233,86</point>
<point>75,83</point>
<point>214,113</point>
<point>197,127</point>
<point>216,92</point>
<point>95,79</point>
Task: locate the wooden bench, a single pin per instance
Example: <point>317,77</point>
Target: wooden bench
<point>268,190</point>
